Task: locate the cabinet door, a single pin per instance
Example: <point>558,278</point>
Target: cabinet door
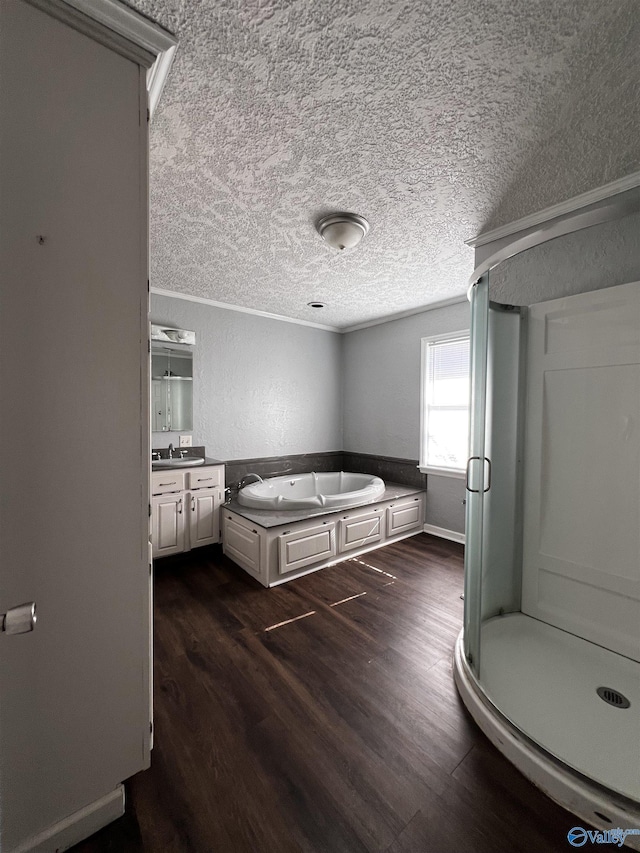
<point>304,547</point>
<point>405,516</point>
<point>242,544</point>
<point>359,529</point>
<point>204,517</point>
<point>168,524</point>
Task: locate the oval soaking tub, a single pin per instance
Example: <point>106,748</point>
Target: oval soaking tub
<point>332,490</point>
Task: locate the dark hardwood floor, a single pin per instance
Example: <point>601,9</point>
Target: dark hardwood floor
<point>321,715</point>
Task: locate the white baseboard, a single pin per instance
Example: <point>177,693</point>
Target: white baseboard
<point>78,826</point>
<point>443,533</point>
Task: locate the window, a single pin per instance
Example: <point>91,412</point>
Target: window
<point>445,404</point>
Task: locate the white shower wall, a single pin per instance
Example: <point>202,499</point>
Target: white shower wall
<point>581,569</point>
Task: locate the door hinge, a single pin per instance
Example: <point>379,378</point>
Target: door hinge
<point>149,510</point>
<point>150,727</point>
<point>148,115</point>
<point>148,286</point>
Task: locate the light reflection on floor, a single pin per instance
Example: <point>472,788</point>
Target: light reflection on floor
<point>288,621</point>
<point>375,568</point>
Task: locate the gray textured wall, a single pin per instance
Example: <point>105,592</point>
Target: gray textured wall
<point>262,387</point>
<point>382,398</point>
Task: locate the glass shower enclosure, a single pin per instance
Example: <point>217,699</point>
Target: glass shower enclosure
<point>552,558</point>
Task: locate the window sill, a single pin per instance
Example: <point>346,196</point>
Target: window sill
<point>456,473</point>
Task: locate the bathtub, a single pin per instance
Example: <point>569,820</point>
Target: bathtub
<point>333,490</point>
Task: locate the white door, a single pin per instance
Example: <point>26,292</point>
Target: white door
<point>74,699</point>
<point>582,467</point>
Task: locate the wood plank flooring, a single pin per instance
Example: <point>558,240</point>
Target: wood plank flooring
<point>321,715</point>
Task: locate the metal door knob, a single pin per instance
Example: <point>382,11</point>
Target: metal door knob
<point>20,619</point>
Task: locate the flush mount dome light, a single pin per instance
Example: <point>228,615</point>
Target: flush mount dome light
<point>343,230</point>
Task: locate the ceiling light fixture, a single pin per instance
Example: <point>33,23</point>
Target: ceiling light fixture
<point>315,304</point>
<point>343,230</point>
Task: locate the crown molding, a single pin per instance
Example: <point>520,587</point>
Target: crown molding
<point>226,306</point>
<point>433,306</point>
<point>562,209</point>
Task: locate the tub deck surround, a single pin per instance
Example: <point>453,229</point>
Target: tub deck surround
<point>275,546</point>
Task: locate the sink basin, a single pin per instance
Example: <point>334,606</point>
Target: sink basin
<point>186,462</point>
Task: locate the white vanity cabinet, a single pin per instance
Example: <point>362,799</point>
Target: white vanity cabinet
<point>275,554</point>
<point>185,509</point>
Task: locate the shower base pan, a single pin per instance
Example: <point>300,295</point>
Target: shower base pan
<point>539,706</point>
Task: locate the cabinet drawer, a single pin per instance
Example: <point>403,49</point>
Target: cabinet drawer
<point>360,530</point>
<point>163,482</point>
<point>405,516</point>
<point>206,478</point>
<point>304,547</point>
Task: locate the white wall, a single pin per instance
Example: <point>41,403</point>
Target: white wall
<point>262,387</point>
<point>382,398</point>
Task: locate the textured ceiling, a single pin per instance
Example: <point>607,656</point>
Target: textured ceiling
<point>434,120</point>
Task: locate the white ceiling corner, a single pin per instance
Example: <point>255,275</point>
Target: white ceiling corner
<point>433,120</point>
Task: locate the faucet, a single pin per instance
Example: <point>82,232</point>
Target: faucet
<point>243,482</point>
<point>170,450</point>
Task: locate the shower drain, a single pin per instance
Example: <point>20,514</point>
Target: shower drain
<point>613,697</point>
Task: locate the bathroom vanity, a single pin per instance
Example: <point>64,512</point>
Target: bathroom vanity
<point>185,508</point>
<point>275,547</point>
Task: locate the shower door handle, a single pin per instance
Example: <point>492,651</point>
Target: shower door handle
<point>469,461</point>
<point>488,461</point>
<point>479,458</point>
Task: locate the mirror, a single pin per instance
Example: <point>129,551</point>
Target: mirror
<point>171,388</point>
